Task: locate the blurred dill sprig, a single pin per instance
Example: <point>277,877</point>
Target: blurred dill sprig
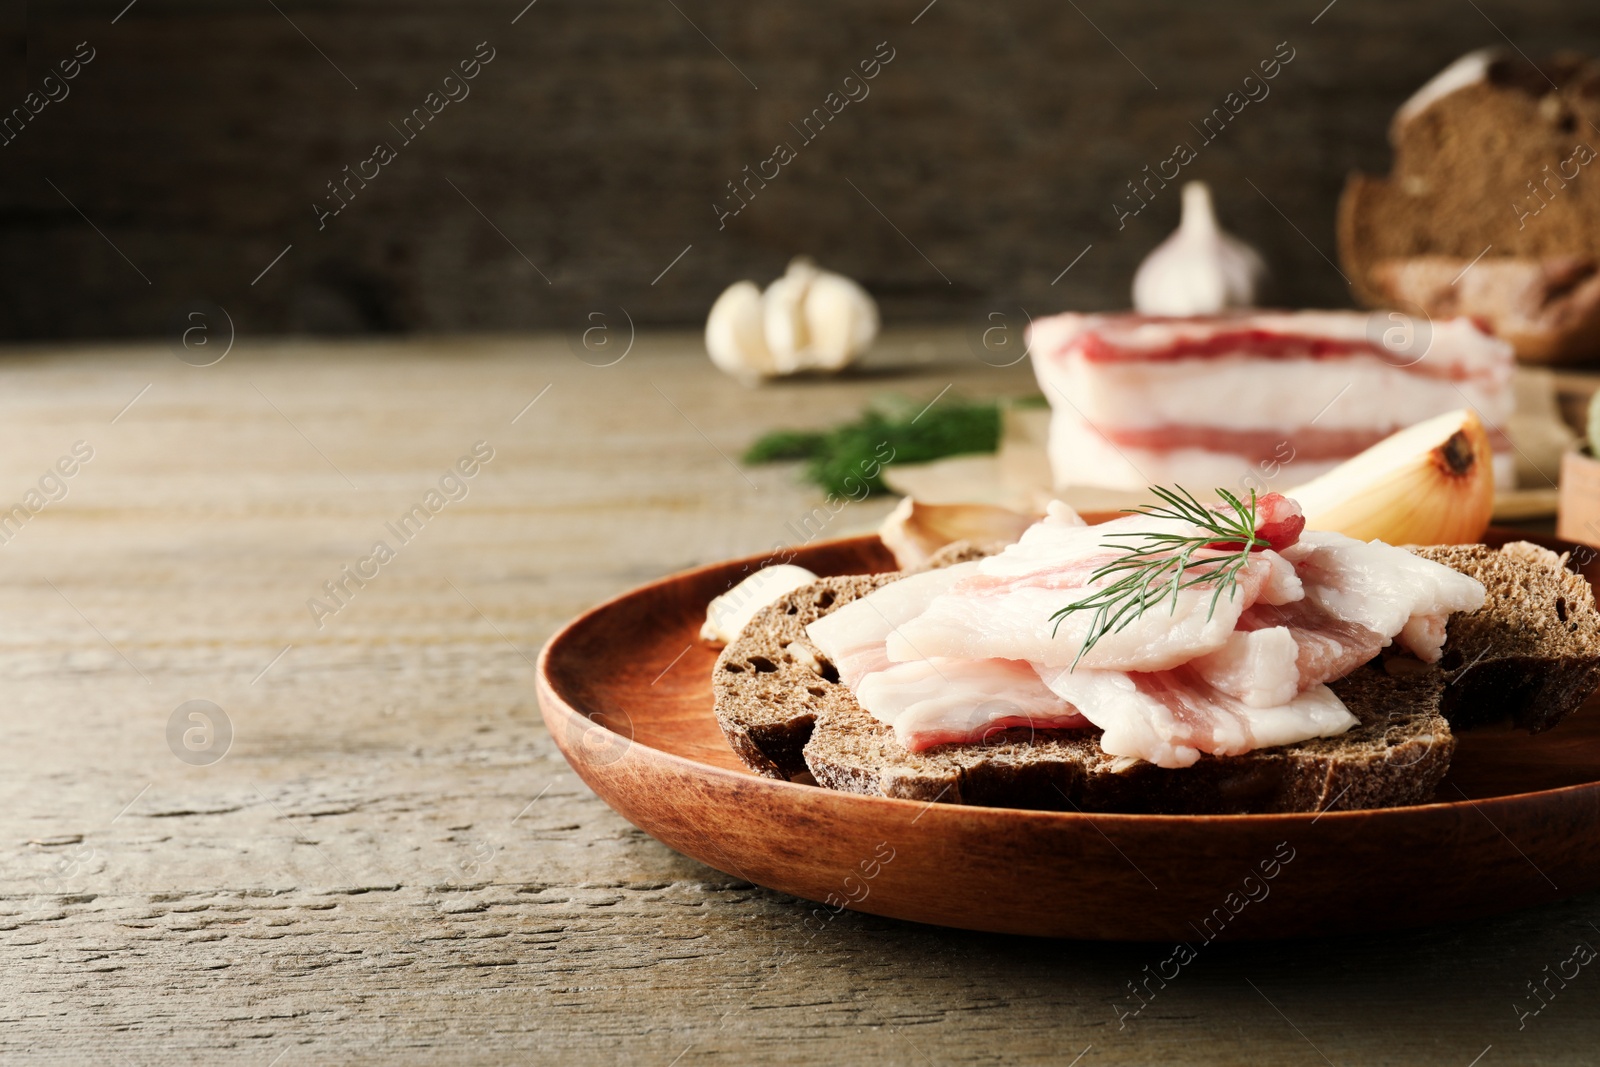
<point>780,445</point>
<point>842,459</point>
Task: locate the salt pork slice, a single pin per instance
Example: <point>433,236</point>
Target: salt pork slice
<point>950,656</point>
<point>952,701</point>
<point>1205,401</point>
<point>852,638</point>
<point>1003,611</point>
<point>1171,718</point>
<point>1385,589</point>
<point>1359,597</point>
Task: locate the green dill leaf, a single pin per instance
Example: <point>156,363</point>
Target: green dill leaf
<point>785,444</point>
<point>1159,565</point>
<point>852,455</point>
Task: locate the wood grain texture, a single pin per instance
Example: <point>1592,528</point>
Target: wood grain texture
<point>596,143</point>
<point>393,865</point>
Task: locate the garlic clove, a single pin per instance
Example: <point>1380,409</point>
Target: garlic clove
<point>735,333</point>
<point>1199,269</point>
<point>841,320</point>
<point>915,530</point>
<point>1430,484</point>
<point>730,613</point>
<point>783,308</point>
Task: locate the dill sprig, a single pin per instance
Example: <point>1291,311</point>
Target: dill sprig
<point>847,457</point>
<point>1160,564</point>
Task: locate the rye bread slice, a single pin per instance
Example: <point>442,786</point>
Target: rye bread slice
<point>771,684</point>
<point>783,711</point>
<point>1531,654</point>
<point>765,704</point>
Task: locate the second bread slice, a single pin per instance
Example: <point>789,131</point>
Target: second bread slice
<point>784,712</point>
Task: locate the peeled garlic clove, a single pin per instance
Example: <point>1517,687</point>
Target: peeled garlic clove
<point>736,334</point>
<point>841,320</point>
<point>783,309</point>
<point>1430,484</point>
<point>730,613</point>
<point>1199,269</point>
<point>914,531</point>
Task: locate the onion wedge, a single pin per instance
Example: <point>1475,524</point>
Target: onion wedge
<point>1429,484</point>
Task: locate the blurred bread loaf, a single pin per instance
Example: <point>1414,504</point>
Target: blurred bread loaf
<point>1492,209</point>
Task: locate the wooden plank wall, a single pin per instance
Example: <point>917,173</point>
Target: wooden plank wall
<point>986,155</point>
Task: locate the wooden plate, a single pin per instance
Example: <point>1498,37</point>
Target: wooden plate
<point>626,692</point>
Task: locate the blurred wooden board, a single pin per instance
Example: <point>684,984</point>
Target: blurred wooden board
<point>1525,505</point>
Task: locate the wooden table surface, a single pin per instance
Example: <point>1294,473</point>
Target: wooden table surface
<point>391,863</point>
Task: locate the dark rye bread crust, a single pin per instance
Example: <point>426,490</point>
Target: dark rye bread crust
<point>765,706</point>
<point>769,696</point>
<point>783,719</point>
<point>1531,654</point>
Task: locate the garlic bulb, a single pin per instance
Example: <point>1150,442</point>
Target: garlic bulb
<point>809,319</point>
<point>1430,484</point>
<point>1199,269</point>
